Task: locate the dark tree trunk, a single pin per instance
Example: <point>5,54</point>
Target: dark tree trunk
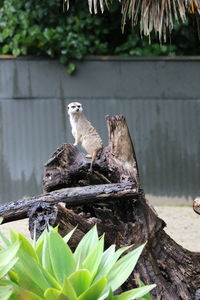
<point>119,208</point>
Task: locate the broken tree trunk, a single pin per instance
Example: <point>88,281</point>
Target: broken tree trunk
<point>126,219</point>
<point>175,270</point>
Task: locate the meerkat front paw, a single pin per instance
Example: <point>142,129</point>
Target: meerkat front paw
<point>88,155</point>
<point>75,144</point>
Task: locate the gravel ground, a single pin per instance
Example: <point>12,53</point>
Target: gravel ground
<point>183,225</point>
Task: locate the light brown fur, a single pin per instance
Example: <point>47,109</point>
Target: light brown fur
<point>83,131</point>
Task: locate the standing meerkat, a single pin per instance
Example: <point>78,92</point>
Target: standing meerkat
<point>83,131</point>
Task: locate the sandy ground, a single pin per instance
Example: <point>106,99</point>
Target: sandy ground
<point>183,225</point>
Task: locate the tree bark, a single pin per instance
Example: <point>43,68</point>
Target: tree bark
<point>175,270</point>
<point>71,196</point>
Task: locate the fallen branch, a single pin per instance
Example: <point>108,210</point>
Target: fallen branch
<point>71,196</point>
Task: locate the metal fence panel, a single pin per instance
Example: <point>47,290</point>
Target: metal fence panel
<point>164,124</point>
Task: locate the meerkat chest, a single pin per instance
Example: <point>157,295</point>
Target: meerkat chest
<point>76,124</point>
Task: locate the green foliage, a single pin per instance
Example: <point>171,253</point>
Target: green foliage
<point>34,27</point>
<point>48,269</point>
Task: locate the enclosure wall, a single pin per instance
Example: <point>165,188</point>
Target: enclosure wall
<point>160,99</point>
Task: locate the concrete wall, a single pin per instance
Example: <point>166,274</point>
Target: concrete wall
<point>159,97</point>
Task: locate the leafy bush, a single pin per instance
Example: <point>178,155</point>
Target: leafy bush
<point>49,270</point>
<point>34,27</point>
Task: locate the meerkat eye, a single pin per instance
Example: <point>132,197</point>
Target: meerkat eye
<point>78,106</point>
<point>67,107</point>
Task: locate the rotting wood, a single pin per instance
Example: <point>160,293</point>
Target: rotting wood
<point>175,270</point>
<point>71,197</point>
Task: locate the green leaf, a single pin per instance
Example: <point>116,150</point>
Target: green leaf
<point>52,280</point>
<point>29,270</point>
<point>27,247</point>
<point>62,259</point>
<point>4,239</point>
<point>46,258</point>
<point>16,51</point>
<point>68,236</point>
<point>94,291</point>
<point>5,49</point>
<point>135,293</point>
<point>6,255</point>
<point>93,260</point>
<point>110,295</point>
<point>71,68</point>
<point>108,260</point>
<point>6,33</point>
<point>80,280</point>
<point>5,292</point>
<point>4,269</point>
<point>25,294</point>
<point>52,294</point>
<point>13,276</point>
<point>87,243</point>
<point>68,290</point>
<point>123,268</point>
<point>38,245</point>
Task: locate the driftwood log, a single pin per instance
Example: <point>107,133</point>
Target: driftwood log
<point>196,205</point>
<point>112,198</point>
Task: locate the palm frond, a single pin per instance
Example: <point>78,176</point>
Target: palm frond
<point>158,15</point>
<point>153,15</point>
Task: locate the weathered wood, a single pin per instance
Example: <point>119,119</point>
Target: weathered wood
<point>71,196</point>
<point>196,205</point>
<point>175,270</point>
<point>123,214</point>
<point>67,167</point>
<point>45,214</point>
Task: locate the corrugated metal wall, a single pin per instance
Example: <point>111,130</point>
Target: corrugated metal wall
<point>164,121</point>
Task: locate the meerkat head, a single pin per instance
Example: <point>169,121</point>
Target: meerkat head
<point>74,108</point>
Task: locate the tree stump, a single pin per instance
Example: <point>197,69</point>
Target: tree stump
<point>111,197</point>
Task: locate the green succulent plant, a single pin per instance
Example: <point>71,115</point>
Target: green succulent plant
<point>48,269</point>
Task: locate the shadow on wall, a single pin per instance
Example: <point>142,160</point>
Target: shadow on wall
<point>12,189</point>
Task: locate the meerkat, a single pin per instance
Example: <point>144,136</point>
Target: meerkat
<point>84,132</point>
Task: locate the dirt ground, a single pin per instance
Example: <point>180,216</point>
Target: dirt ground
<point>183,225</point>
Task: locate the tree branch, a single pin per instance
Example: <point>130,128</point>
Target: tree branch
<point>71,196</point>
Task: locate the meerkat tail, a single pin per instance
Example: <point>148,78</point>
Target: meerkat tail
<point>94,156</point>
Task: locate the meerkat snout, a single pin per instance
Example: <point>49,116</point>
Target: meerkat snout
<point>74,108</point>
